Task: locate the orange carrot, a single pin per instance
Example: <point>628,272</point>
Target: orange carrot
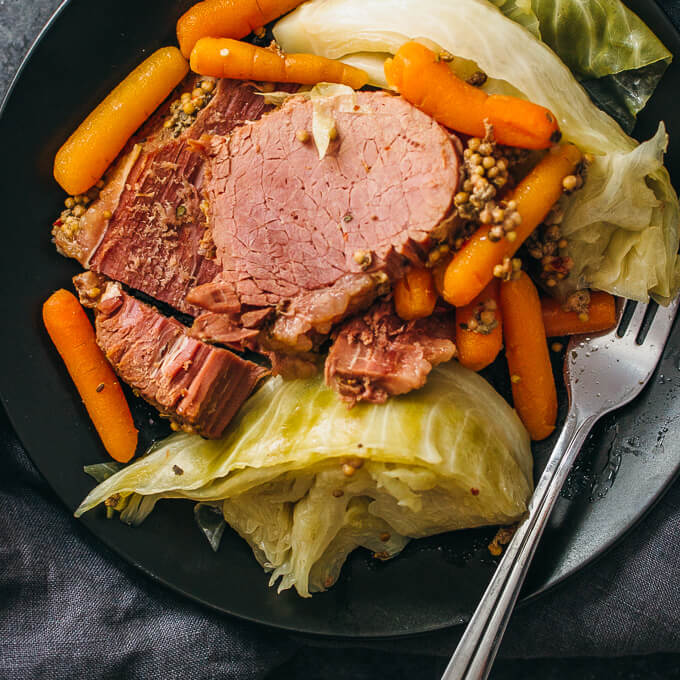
<point>601,316</point>
<point>526,349</point>
<point>227,19</point>
<point>427,82</point>
<point>471,268</point>
<point>476,350</point>
<point>226,58</point>
<point>73,336</point>
<point>84,157</point>
<point>415,295</point>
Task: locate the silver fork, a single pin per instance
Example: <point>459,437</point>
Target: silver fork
<point>601,372</point>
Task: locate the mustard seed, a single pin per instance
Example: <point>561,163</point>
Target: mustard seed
<point>570,182</point>
<point>487,317</point>
<point>348,470</point>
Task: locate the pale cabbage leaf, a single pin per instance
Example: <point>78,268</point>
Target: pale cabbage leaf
<point>449,456</point>
<point>475,30</point>
<point>326,98</point>
<point>373,63</point>
<point>615,224</point>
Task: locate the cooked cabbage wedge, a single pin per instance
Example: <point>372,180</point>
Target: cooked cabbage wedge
<point>639,260</point>
<point>617,225</point>
<point>305,480</point>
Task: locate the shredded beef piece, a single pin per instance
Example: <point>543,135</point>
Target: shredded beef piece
<point>377,354</point>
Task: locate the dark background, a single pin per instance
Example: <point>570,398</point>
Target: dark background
<point>594,625</point>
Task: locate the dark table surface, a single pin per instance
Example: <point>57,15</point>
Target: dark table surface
<point>70,608</point>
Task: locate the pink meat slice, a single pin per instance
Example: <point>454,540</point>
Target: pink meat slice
<point>377,354</point>
<point>146,229</point>
<point>315,239</point>
<point>199,386</point>
<point>153,241</point>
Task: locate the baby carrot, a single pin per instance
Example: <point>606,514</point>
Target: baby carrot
<point>73,336</point>
<point>226,58</point>
<point>601,316</point>
<point>479,348</point>
<point>89,151</point>
<point>227,19</point>
<point>422,77</point>
<point>415,295</point>
<point>471,267</point>
<point>526,349</point>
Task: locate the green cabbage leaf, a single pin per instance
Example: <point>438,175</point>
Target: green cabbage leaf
<point>639,258</point>
<point>608,47</point>
<point>450,456</point>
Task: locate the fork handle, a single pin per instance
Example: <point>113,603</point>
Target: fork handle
<point>477,649</point>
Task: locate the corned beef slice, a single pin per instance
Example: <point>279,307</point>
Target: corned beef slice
<point>377,355</point>
<point>153,240</point>
<point>318,239</point>
<point>147,227</point>
<point>197,385</point>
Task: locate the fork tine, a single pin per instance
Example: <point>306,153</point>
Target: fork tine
<point>661,325</point>
<point>636,320</point>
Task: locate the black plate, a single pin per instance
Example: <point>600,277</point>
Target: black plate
<point>436,582</point>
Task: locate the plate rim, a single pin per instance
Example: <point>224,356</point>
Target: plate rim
<point>121,553</point>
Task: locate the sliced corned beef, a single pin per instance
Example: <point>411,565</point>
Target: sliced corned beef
<point>153,241</point>
<point>290,327</point>
<point>317,240</point>
<point>146,229</point>
<point>198,386</point>
<point>295,244</point>
<point>377,354</point>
